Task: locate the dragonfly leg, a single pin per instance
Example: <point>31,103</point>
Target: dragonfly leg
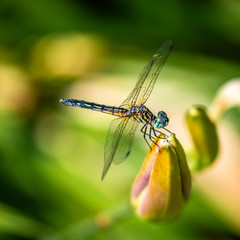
<point>159,136</point>
<point>144,131</point>
<point>159,132</point>
<point>154,131</point>
<point>151,138</point>
<point>150,135</point>
<point>167,130</point>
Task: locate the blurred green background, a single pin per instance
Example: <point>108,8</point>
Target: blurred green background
<point>51,156</point>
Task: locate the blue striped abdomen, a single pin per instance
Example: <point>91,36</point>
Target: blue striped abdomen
<point>116,111</point>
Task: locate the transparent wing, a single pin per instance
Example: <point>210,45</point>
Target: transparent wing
<point>148,76</point>
<point>119,142</point>
<point>125,143</point>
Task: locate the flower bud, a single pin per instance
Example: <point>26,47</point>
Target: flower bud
<point>204,137</point>
<point>227,96</point>
<point>164,182</point>
<point>184,169</point>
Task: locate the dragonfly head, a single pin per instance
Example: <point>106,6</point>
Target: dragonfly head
<point>161,120</point>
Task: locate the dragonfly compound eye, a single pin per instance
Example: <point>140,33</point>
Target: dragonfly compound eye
<point>162,114</point>
<point>161,120</point>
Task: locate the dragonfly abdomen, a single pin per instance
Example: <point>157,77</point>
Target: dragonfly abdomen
<point>116,111</point>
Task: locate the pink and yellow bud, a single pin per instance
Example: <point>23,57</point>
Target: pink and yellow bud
<point>164,182</point>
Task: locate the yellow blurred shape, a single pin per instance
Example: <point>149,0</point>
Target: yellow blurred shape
<point>66,56</point>
<point>15,92</point>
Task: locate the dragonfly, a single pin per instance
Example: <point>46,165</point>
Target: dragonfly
<point>131,112</point>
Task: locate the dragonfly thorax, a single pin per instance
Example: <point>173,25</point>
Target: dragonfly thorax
<point>136,109</point>
<point>140,113</point>
<point>161,120</point>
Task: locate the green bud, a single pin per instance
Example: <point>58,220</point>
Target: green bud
<point>204,136</point>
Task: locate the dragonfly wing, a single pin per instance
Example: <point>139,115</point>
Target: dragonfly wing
<point>148,76</point>
<point>119,142</point>
<point>153,69</point>
<point>125,143</point>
